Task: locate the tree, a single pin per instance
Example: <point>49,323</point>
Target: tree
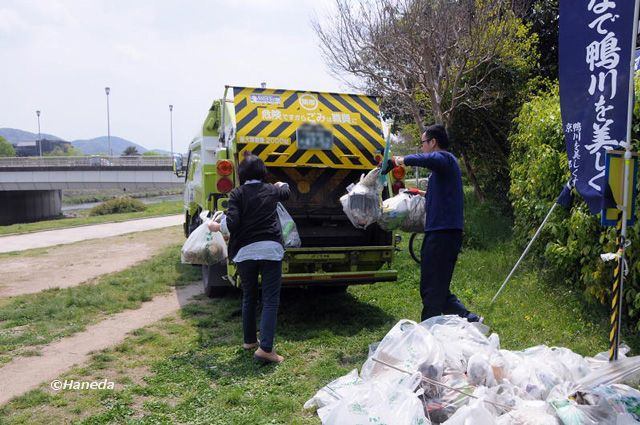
<point>131,151</point>
<point>427,58</point>
<point>152,153</point>
<point>64,150</point>
<point>6,148</point>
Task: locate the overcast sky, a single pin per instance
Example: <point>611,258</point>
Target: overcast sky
<point>58,55</point>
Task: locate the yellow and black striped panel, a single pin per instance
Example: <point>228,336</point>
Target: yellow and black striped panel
<point>267,120</point>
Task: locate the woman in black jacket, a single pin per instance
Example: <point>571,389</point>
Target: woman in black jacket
<point>255,245</point>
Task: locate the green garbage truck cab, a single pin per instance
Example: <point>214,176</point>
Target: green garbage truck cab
<point>319,143</point>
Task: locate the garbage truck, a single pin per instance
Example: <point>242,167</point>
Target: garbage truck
<point>317,142</point>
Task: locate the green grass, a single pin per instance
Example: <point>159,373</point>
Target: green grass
<point>196,372</point>
<point>27,321</point>
<point>192,369</point>
<point>162,208</point>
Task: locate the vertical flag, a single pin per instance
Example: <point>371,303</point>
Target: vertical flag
<point>595,67</point>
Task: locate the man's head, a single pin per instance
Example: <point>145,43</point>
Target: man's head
<point>434,138</point>
<point>251,168</point>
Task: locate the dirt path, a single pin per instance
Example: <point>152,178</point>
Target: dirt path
<point>70,265</point>
<point>26,373</point>
<point>83,233</point>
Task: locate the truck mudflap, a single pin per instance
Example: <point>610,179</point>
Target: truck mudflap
<point>320,266</point>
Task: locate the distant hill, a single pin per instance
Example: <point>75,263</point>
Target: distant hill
<point>13,135</point>
<point>101,145</point>
<point>93,146</point>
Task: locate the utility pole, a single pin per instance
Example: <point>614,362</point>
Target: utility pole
<point>107,90</point>
<point>39,136</point>
<point>171,128</point>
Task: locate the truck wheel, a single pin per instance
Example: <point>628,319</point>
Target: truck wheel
<point>214,285</point>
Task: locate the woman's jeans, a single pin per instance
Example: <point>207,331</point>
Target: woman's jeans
<point>271,272</point>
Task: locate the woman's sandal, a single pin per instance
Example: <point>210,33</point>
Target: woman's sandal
<point>264,357</point>
<point>251,346</point>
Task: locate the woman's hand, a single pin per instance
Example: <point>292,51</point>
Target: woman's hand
<point>280,184</point>
<point>213,226</point>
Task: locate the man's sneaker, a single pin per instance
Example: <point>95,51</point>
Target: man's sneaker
<point>472,317</point>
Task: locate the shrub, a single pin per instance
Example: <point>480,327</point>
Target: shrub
<point>571,244</point>
<point>123,204</point>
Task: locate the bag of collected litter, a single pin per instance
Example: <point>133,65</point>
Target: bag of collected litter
<point>204,247</point>
<point>378,402</point>
<point>336,390</point>
<point>290,234</point>
<point>474,413</point>
<point>409,347</point>
<point>395,211</point>
<point>405,211</point>
<point>362,203</point>
<point>415,220</point>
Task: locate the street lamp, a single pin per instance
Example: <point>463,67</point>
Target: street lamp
<point>107,90</point>
<point>39,137</point>
<point>171,128</point>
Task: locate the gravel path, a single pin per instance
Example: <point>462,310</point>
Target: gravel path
<point>75,234</point>
<point>26,373</point>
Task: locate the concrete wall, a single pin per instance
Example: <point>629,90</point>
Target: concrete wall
<point>29,205</point>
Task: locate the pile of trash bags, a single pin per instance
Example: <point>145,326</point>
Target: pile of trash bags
<point>446,370</point>
<point>363,205</point>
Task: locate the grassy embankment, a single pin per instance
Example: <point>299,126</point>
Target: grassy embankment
<point>189,368</point>
<point>159,209</point>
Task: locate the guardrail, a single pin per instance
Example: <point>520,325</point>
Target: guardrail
<point>86,161</point>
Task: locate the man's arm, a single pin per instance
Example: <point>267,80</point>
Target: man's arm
<point>434,160</point>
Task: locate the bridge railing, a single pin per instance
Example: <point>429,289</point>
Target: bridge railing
<point>87,161</point>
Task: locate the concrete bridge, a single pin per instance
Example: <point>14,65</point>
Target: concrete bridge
<point>31,187</point>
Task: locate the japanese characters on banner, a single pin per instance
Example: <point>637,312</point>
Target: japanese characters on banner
<point>595,67</point>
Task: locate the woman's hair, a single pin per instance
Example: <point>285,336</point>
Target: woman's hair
<point>251,168</point>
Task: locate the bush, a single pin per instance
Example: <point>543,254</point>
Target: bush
<point>571,244</point>
<point>123,204</point>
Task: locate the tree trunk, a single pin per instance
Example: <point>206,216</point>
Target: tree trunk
<point>472,175</point>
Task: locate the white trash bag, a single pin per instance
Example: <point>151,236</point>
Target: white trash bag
<point>290,234</point>
<point>395,211</point>
<point>204,247</point>
<point>363,204</point>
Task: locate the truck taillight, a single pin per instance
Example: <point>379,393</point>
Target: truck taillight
<point>395,187</point>
<point>224,185</point>
<point>224,168</point>
<point>398,173</point>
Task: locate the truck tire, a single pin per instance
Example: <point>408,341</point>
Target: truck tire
<point>212,278</point>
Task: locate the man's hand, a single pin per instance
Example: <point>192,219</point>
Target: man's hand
<point>392,162</point>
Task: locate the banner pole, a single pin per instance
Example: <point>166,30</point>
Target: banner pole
<point>526,250</point>
<point>619,273</point>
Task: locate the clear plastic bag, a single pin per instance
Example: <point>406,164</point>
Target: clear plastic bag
<point>362,204</point>
<point>204,247</point>
<point>336,390</point>
<point>290,234</point>
<point>414,222</point>
<point>395,211</point>
<point>407,346</point>
<point>378,402</point>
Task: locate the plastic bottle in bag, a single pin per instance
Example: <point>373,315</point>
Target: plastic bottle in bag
<point>290,234</point>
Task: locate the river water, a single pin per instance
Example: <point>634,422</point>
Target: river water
<point>150,200</point>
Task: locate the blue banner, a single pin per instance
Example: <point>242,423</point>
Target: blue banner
<point>595,66</point>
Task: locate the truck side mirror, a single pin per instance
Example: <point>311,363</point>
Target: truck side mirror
<point>178,165</point>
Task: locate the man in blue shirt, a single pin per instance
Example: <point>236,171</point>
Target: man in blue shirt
<point>443,223</point>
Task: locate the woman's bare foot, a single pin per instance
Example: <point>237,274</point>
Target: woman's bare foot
<point>271,357</point>
<point>250,346</point>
